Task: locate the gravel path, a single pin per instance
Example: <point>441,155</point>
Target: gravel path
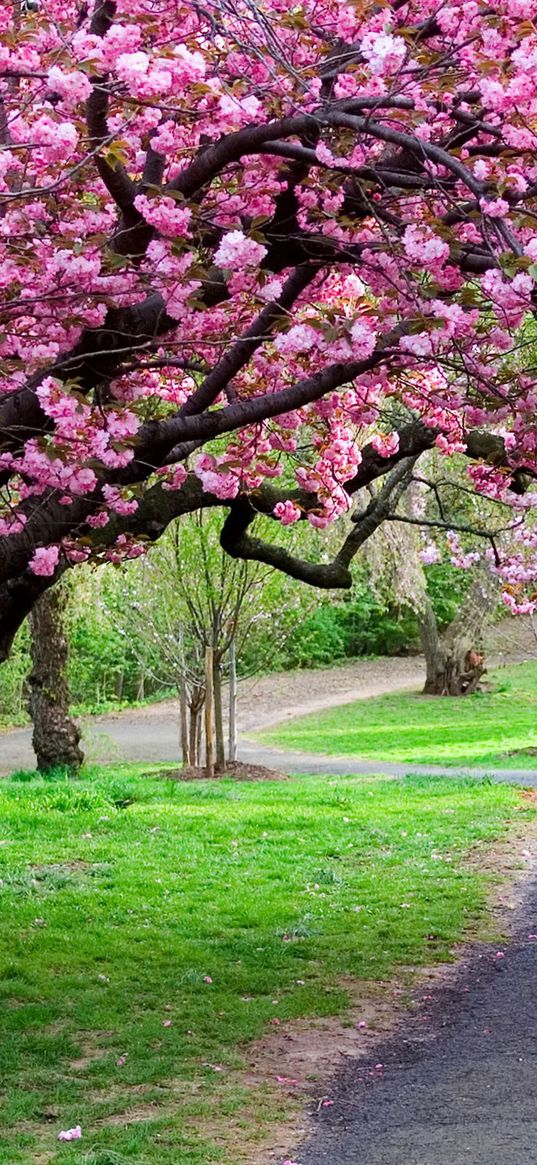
<point>458,1087</point>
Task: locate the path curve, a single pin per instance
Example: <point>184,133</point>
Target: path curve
<point>151,734</point>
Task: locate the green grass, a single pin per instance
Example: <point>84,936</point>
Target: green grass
<point>490,729</point>
<point>120,894</point>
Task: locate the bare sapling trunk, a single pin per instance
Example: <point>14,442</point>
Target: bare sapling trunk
<point>183,703</point>
<point>199,739</point>
<point>183,721</point>
<point>218,714</point>
<point>192,742</point>
<point>195,706</point>
<point>232,742</point>
<point>454,661</point>
<point>55,736</point>
<point>209,717</point>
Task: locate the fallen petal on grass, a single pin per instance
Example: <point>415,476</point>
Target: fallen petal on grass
<point>70,1134</point>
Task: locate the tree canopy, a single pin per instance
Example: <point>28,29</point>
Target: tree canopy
<point>244,244</point>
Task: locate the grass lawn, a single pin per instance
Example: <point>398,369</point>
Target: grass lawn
<point>491,729</point>
<point>150,929</point>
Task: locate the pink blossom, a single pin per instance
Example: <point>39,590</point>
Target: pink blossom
<point>175,478</point>
<point>44,560</point>
<point>429,554</point>
<point>494,207</point>
<point>73,1134</point>
<point>203,133</point>
<point>364,338</point>
<point>237,251</point>
<point>73,87</point>
<point>422,245</point>
<point>385,53</point>
<point>386,444</point>
<point>287,513</point>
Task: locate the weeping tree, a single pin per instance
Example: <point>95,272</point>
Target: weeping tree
<point>437,502</point>
<point>454,659</point>
<point>56,737</point>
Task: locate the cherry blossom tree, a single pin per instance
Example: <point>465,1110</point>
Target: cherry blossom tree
<point>245,244</point>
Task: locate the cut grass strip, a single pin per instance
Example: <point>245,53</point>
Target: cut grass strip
<point>491,729</point>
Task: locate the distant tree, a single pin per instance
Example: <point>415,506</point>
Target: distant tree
<point>454,658</point>
<point>435,505</point>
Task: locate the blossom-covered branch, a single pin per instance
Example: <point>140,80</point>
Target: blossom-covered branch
<point>241,246</point>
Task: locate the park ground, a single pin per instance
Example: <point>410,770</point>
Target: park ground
<point>185,964</point>
<point>165,944</point>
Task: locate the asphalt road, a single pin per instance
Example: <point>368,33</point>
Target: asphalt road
<point>457,1087</point>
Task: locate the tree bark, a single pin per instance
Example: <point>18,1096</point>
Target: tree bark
<point>454,661</point>
<point>195,704</point>
<point>183,703</point>
<point>55,735</point>
<point>218,714</point>
<point>232,746</point>
<point>183,722</point>
<point>209,708</point>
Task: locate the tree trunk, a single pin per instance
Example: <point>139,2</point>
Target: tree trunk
<point>183,702</point>
<point>199,738</point>
<point>209,709</point>
<point>120,678</point>
<point>218,714</point>
<point>55,736</point>
<point>183,722</point>
<point>454,662</point>
<point>195,704</point>
<point>232,744</point>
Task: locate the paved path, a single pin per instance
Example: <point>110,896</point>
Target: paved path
<point>151,734</point>
<point>315,763</point>
<point>463,1096</point>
